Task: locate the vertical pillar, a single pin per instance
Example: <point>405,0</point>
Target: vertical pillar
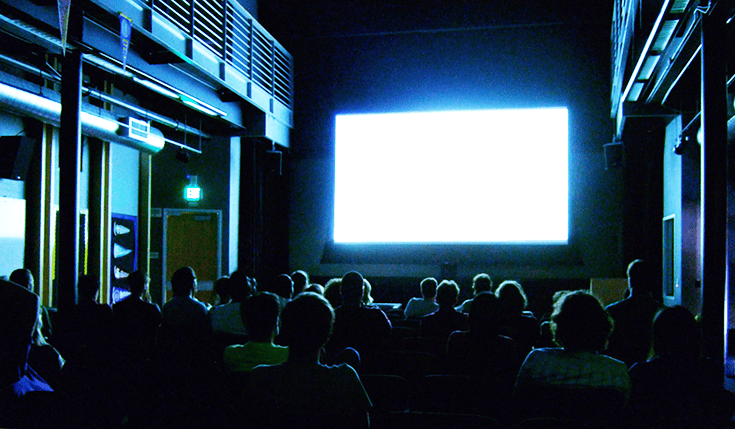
<point>144,213</point>
<point>70,145</point>
<point>99,214</point>
<point>251,212</point>
<point>34,191</point>
<point>714,184</point>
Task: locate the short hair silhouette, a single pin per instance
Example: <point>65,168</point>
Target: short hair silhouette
<point>222,289</point>
<point>352,287</point>
<point>428,287</point>
<point>482,283</point>
<point>183,282</point>
<point>283,286</point>
<point>484,317</point>
<point>315,287</point>
<point>138,282</point>
<point>306,322</point>
<point>512,297</point>
<point>333,293</point>
<point>676,333</point>
<point>580,322</point>
<point>639,276</point>
<point>241,285</point>
<point>23,277</point>
<point>300,281</point>
<point>447,293</point>
<point>260,316</point>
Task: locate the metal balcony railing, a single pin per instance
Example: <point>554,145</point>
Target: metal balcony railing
<point>229,32</point>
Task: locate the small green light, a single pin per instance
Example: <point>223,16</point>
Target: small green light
<point>193,192</point>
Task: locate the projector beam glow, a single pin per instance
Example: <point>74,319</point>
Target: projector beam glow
<point>479,176</point>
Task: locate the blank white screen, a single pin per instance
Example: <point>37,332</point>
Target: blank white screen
<point>479,176</point>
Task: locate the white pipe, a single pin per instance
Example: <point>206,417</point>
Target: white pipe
<point>49,111</point>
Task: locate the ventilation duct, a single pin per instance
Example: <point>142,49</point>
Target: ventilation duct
<point>49,111</point>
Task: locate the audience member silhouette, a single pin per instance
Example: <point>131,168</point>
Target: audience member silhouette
<point>136,321</point>
<point>420,307</point>
<point>516,322</point>
<point>333,292</point>
<point>581,326</point>
<point>44,358</point>
<point>283,287</point>
<point>303,392</point>
<point>300,281</point>
<point>184,337</point>
<point>446,319</point>
<point>260,316</point>
<point>226,319</point>
<point>480,283</point>
<point>315,287</point>
<point>630,340</point>
<point>19,309</point>
<point>677,388</point>
<point>222,290</point>
<point>492,360</point>
<point>24,277</point>
<point>362,327</point>
<point>367,290</point>
<point>86,329</point>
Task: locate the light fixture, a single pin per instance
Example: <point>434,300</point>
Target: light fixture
<point>156,87</point>
<point>192,192</point>
<point>200,106</point>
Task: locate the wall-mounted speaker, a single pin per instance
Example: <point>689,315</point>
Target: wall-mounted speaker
<point>15,156</point>
<point>614,155</point>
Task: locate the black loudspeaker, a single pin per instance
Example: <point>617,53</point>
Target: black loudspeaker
<point>274,161</point>
<point>613,155</point>
<point>15,156</point>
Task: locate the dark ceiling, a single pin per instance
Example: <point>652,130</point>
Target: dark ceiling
<point>294,19</point>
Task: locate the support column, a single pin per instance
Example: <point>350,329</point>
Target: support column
<point>144,213</point>
<point>34,191</point>
<point>99,214</point>
<point>70,146</point>
<point>251,210</point>
<point>714,184</point>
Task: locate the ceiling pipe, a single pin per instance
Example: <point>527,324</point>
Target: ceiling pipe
<point>171,123</point>
<point>49,111</point>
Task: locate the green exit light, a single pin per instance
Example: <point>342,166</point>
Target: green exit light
<point>193,192</point>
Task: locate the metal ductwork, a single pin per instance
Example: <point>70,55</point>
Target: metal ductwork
<point>25,103</point>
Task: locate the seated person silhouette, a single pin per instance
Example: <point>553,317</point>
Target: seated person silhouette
<point>630,340</point>
<point>332,292</point>
<point>19,309</point>
<point>300,281</point>
<point>136,320</point>
<point>362,327</point>
<point>678,388</point>
<point>283,288</point>
<point>480,283</point>
<point>490,359</point>
<point>517,323</point>
<point>575,380</point>
<point>24,277</point>
<point>226,319</point>
<point>84,332</point>
<point>420,307</point>
<point>185,336</point>
<point>260,315</point>
<point>222,290</point>
<point>446,319</point>
<point>303,392</point>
